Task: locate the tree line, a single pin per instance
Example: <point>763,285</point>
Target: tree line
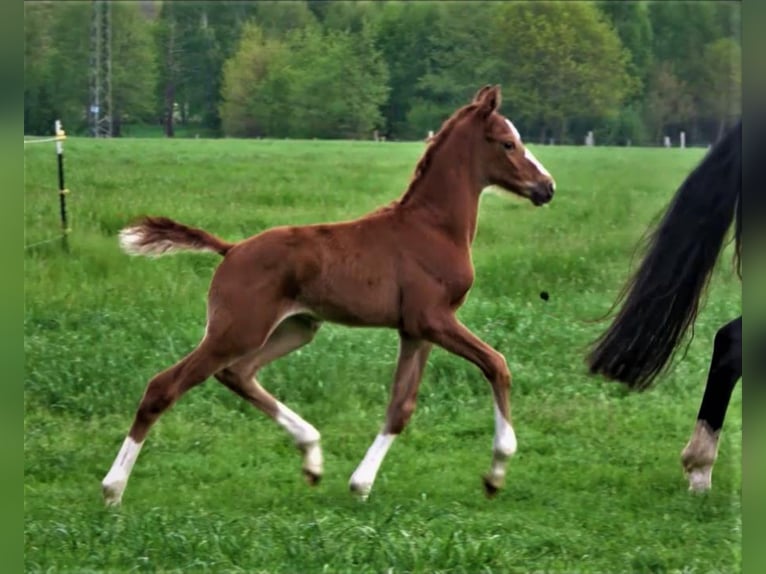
<point>631,72</point>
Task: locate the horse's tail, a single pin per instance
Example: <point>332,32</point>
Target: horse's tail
<point>155,236</point>
<point>661,300</point>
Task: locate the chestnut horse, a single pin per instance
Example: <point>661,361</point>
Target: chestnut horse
<point>406,266</point>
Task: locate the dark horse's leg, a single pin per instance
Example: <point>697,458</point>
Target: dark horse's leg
<point>725,370</point>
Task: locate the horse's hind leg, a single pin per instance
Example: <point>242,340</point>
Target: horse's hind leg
<point>161,392</point>
<point>291,334</point>
<point>698,457</point>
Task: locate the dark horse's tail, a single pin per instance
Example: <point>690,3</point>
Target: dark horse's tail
<point>661,300</point>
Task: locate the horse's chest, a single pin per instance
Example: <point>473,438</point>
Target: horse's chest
<point>457,283</point>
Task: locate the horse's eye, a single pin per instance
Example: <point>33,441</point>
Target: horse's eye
<point>509,145</point>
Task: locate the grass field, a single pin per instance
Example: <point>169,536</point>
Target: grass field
<point>596,485</point>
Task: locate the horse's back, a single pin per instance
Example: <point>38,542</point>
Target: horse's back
<point>341,272</point>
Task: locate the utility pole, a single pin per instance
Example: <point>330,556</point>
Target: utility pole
<point>100,109</point>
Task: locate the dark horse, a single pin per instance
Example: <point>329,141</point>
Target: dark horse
<point>661,300</point>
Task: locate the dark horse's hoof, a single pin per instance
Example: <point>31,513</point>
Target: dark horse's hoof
<point>490,489</point>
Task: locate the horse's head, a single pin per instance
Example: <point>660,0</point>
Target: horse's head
<point>507,161</point>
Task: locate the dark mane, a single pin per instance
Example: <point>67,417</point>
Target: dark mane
<point>434,144</point>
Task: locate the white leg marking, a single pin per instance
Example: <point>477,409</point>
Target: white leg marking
<point>503,448</point>
<point>306,437</point>
<point>505,438</point>
<point>698,457</point>
<point>364,476</point>
<point>116,480</point>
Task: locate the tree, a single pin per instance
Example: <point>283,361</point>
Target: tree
<point>338,83</point>
<point>681,32</point>
<point>402,34</point>
<point>344,16</point>
<point>134,66</point>
<point>311,84</point>
<point>722,81</point>
<point>634,27</point>
<point>459,60</point>
<point>247,104</point>
<point>39,112</point>
<point>668,100</point>
<point>277,19</point>
<point>559,62</point>
<point>70,63</point>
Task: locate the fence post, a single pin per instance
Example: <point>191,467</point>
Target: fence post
<point>63,191</point>
<point>683,140</point>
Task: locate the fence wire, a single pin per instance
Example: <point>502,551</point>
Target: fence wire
<point>44,241</point>
<point>44,140</point>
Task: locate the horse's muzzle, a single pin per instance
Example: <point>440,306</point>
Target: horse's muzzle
<point>542,193</point>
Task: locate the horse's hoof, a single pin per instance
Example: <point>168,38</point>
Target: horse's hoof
<point>112,492</point>
<point>360,491</point>
<point>700,479</point>
<point>490,488</point>
<point>312,478</point>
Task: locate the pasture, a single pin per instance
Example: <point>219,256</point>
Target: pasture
<point>596,485</point>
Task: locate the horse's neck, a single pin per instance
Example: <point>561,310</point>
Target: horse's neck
<point>448,193</point>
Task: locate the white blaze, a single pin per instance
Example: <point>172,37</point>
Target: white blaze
<point>528,154</point>
<point>513,129</point>
<point>531,157</point>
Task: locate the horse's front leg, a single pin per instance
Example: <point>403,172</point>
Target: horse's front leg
<point>446,331</point>
<point>413,355</point>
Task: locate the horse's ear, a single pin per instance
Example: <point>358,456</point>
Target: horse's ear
<point>481,92</point>
<point>488,99</point>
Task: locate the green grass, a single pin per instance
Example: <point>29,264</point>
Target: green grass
<point>595,487</point>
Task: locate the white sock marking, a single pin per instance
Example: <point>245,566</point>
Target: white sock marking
<point>305,436</point>
<point>505,439</point>
<point>302,432</point>
<point>503,447</point>
<point>116,480</point>
<point>364,476</point>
